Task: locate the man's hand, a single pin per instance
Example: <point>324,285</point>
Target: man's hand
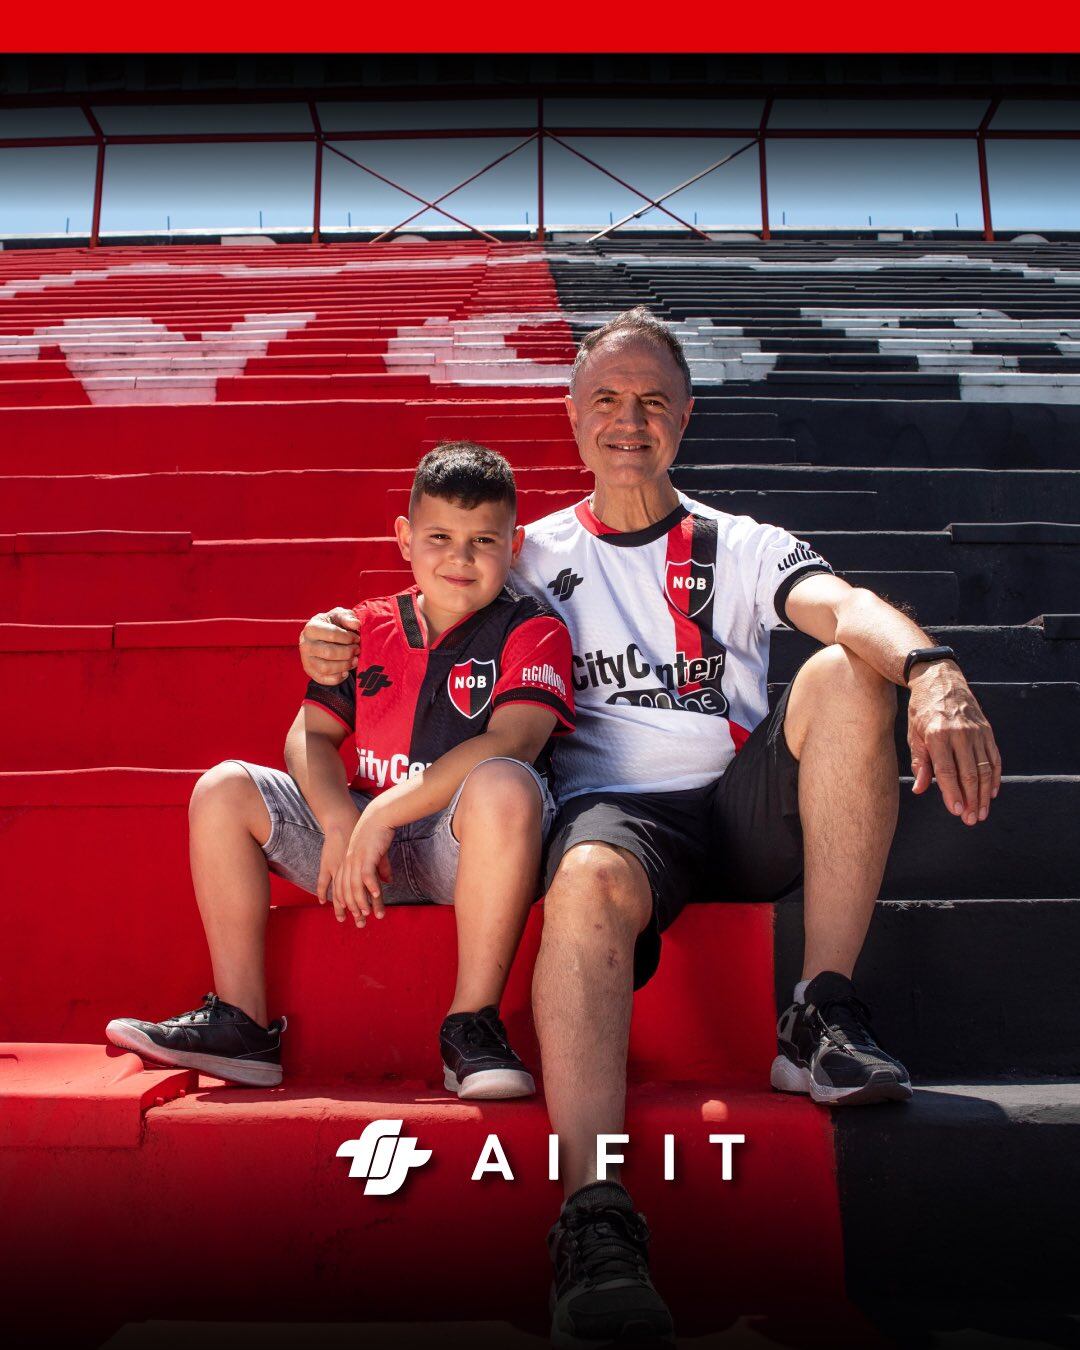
<point>330,645</point>
<point>951,740</point>
<point>365,869</point>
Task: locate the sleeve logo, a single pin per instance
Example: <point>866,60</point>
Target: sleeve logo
<point>470,686</point>
<point>689,586</point>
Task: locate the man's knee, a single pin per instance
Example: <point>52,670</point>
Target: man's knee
<point>837,683</point>
<point>499,791</point>
<point>597,888</point>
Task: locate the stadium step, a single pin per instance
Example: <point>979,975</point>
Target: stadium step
<point>111,669</point>
<point>906,498</point>
<point>133,945</point>
<point>972,990</point>
<point>178,577</point>
<point>198,1181</point>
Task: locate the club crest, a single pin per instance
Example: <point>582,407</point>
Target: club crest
<point>689,586</point>
<point>470,686</point>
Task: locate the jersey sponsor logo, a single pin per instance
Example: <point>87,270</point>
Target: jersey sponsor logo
<point>710,701</point>
<point>594,669</point>
<point>565,584</point>
<point>546,675</point>
<point>369,682</point>
<point>689,586</point>
<point>804,553</point>
<point>470,685</point>
<point>395,769</point>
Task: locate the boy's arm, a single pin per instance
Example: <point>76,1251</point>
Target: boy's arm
<point>312,757</point>
<point>514,732</point>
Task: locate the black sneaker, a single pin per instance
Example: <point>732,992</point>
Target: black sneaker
<point>477,1060</point>
<point>828,1049</point>
<point>602,1294</point>
<point>216,1039</point>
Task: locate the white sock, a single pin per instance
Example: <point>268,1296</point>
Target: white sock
<point>800,991</point>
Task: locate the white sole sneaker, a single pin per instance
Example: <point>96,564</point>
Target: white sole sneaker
<point>247,1073</point>
<point>490,1084</point>
<point>882,1087</point>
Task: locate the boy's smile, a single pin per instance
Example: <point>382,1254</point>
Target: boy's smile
<point>460,557</point>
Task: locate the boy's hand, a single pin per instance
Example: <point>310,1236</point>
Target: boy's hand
<point>335,842</point>
<point>366,868</point>
<point>330,645</point>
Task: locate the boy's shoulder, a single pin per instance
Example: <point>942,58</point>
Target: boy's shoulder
<point>522,605</point>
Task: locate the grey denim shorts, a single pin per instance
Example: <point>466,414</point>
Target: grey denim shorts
<point>423,856</point>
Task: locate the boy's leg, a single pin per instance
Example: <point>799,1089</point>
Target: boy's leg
<point>229,824</point>
<point>498,824</point>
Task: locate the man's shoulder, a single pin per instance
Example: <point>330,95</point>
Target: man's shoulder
<point>556,525</point>
<point>732,530</point>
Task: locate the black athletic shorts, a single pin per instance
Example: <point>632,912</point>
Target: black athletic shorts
<point>738,838</point>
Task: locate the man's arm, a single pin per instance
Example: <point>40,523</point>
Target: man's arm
<point>949,736</point>
<point>330,645</point>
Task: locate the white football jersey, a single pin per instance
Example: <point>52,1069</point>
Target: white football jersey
<point>670,628</point>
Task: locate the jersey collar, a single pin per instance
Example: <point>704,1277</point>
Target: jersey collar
<point>414,628</point>
<point>628,538</point>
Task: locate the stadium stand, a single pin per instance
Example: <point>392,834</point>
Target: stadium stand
<point>198,452</point>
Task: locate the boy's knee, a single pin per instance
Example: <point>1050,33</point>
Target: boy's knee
<point>502,790</point>
<point>226,788</point>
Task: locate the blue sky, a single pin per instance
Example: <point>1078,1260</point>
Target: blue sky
<point>812,183</point>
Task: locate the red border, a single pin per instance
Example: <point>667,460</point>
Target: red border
<point>481,26</point>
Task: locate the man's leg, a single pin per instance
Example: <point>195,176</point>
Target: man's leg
<point>495,886</point>
<point>583,984</point>
<point>228,825</point>
<point>839,726</point>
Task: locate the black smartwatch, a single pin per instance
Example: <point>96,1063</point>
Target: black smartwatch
<point>927,654</point>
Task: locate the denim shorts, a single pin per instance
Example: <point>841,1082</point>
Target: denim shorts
<point>423,856</point>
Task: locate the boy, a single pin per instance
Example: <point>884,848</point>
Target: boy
<point>451,706</point>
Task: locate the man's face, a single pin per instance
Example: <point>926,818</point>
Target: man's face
<point>629,410</point>
<point>459,558</point>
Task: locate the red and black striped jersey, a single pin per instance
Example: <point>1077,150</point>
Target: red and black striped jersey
<point>408,703</point>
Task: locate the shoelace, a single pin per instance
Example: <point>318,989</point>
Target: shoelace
<point>847,1023</point>
<point>486,1032</point>
<point>210,1005</point>
<point>609,1243</point>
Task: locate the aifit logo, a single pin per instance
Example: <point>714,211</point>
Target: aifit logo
<point>383,1157</point>
<point>370,681</point>
<point>565,584</point>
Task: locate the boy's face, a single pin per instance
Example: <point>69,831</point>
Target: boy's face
<point>460,558</point>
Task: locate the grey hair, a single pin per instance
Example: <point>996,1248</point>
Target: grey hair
<point>637,323</point>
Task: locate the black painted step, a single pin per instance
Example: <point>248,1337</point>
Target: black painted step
<point>1025,847</point>
<point>968,1192</point>
<point>1036,725</point>
<point>913,433</point>
<point>799,511</point>
<point>997,584</point>
<point>978,989</point>
<point>909,499</point>
<point>758,450</point>
<point>987,654</point>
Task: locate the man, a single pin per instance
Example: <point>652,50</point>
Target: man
<point>680,778</point>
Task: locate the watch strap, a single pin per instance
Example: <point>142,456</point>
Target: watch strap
<point>926,654</point>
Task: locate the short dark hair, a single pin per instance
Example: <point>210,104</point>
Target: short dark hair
<point>637,323</point>
<point>466,474</point>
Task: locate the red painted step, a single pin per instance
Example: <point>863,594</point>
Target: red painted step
<point>115,576</point>
<point>228,505</point>
<point>115,932</point>
<point>250,1182</point>
<point>375,433</point>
